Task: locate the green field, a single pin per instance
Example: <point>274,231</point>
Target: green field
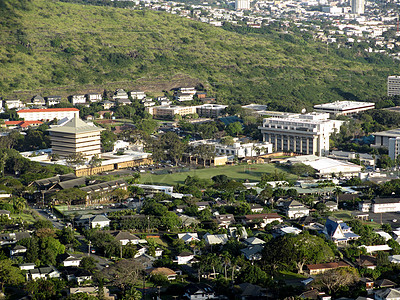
<point>241,173</point>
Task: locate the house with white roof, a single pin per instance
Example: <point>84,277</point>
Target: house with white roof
<point>188,237</point>
<point>215,239</point>
<point>99,221</point>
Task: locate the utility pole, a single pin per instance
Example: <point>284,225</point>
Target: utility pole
<point>89,244</point>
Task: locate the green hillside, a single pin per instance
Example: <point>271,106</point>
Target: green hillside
<point>63,48</point>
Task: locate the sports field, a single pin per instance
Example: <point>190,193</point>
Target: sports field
<point>242,172</point>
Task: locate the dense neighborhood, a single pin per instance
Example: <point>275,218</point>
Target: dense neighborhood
<point>123,195</point>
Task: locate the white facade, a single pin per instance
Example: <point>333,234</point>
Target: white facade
<point>48,114</point>
<point>78,99</point>
<point>94,97</point>
<point>357,7</point>
<point>138,95</point>
<point>386,205</point>
<point>306,134</point>
<point>238,149</point>
<point>242,4</point>
<point>11,104</point>
<point>393,85</point>
<point>344,107</point>
<point>171,110</point>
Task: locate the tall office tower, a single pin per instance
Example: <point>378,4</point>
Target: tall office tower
<point>393,85</point>
<point>242,4</point>
<point>357,7</point>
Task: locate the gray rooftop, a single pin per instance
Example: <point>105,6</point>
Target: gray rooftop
<point>75,125</point>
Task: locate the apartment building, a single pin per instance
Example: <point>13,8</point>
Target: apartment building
<point>169,111</point>
<point>48,114</point>
<point>211,110</point>
<point>393,85</point>
<point>302,133</point>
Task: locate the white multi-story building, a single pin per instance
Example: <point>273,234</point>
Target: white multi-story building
<point>242,4</point>
<point>394,148</point>
<point>138,95</point>
<point>393,85</point>
<point>170,111</point>
<point>383,205</point>
<point>382,138</point>
<point>53,100</point>
<point>14,103</point>
<point>305,133</point>
<point>184,97</point>
<point>94,97</point>
<point>48,114</point>
<point>78,99</point>
<point>238,149</point>
<point>344,107</point>
<point>357,7</point>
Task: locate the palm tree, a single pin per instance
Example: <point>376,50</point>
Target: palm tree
<point>226,259</point>
<point>337,191</point>
<point>19,203</point>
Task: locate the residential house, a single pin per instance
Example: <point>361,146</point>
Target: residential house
<point>77,274</point>
<point>146,260</point>
<point>123,101</point>
<point>91,290</point>
<point>167,272</point>
<point>139,95</point>
<point>261,220</point>
<point>13,104</point>
<point>331,205</point>
<point>188,237</point>
<point>388,294</point>
<point>120,94</point>
<point>184,258</point>
<point>94,97</point>
<point>199,291</point>
<point>71,261</point>
<point>78,99</point>
<point>107,104</point>
<point>384,283</point>
<point>256,208</point>
<point>158,252</point>
<point>202,205</point>
<point>38,100</point>
<point>294,209</point>
<point>314,269</point>
<point>17,250</point>
<point>13,237</point>
<point>252,241</point>
<point>253,252</point>
<point>53,100</point>
<point>100,221</point>
<point>4,213</point>
<point>26,266</point>
<point>366,261</point>
<point>395,259</point>
<point>125,237</point>
<point>215,239</point>
<point>140,251</point>
<point>225,220</point>
<point>43,272</point>
<point>338,231</point>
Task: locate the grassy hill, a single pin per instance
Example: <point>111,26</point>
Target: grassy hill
<point>51,47</point>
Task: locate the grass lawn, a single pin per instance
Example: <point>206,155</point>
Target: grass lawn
<point>286,275</point>
<point>243,172</point>
<point>345,215</point>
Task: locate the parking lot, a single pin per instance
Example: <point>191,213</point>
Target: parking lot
<point>386,218</point>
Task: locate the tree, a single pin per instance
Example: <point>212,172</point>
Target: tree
<point>119,194</point>
<point>88,263</point>
<point>333,280</point>
<point>94,162</point>
<point>234,129</point>
<point>124,273</point>
<point>296,250</point>
<point>75,159</point>
<point>172,144</point>
<point>384,162</point>
<point>108,138</point>
<point>254,275</point>
<point>147,125</point>
<point>9,274</point>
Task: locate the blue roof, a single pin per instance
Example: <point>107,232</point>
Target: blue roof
<point>331,226</point>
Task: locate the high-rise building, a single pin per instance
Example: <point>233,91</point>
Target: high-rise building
<point>393,85</point>
<point>357,7</point>
<point>305,133</point>
<point>75,137</point>
<point>242,4</point>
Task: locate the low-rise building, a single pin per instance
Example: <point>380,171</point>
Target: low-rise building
<point>211,110</point>
<point>170,111</point>
<point>344,108</point>
<point>53,100</point>
<point>314,269</point>
<point>48,114</point>
<point>261,220</point>
<point>78,99</point>
<point>139,95</point>
<point>338,231</point>
<point>13,104</point>
<point>94,97</point>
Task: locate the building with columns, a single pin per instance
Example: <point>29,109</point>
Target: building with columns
<point>301,133</point>
<point>74,137</point>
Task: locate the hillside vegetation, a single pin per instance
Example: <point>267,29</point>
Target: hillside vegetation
<point>63,48</point>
